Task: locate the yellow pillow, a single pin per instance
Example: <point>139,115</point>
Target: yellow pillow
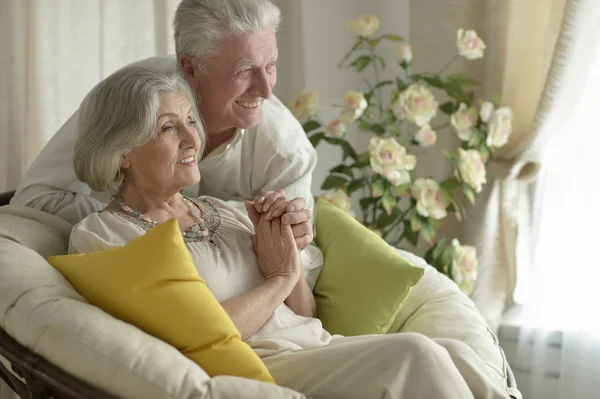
<point>364,282</point>
<point>152,283</point>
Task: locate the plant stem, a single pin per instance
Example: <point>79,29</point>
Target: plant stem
<point>447,65</point>
<point>376,92</point>
<point>395,224</point>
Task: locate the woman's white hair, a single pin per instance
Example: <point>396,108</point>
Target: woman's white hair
<point>201,25</point>
<point>118,116</point>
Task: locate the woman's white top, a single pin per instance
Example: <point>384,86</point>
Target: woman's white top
<point>225,259</point>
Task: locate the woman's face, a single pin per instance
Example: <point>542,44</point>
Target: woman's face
<point>169,161</point>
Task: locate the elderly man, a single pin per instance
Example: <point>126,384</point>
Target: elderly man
<point>227,52</point>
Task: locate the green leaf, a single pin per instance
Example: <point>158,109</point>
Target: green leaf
<point>434,81</point>
<point>389,202</point>
<point>469,193</point>
<point>496,100</point>
<point>447,108</point>
<point>485,152</point>
<point>402,191</point>
<point>411,236</point>
<point>392,37</point>
<point>368,97</point>
<point>377,188</point>
<point>333,182</point>
<point>333,140</point>
<point>415,222</point>
<point>356,184</point>
<point>348,151</point>
<point>385,219</point>
<point>315,138</point>
<point>428,233</point>
<point>381,61</point>
<point>439,248</point>
<point>366,202</point>
<point>456,92</point>
<point>363,160</point>
<point>377,128</point>
<point>449,184</point>
<point>364,126</point>
<point>446,258</point>
<point>361,62</point>
<point>343,169</point>
<point>461,80</point>
<point>476,138</point>
<point>310,126</point>
<point>401,84</point>
<point>373,42</point>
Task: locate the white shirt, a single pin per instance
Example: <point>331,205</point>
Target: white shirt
<point>225,260</point>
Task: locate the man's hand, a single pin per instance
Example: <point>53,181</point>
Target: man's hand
<point>275,204</point>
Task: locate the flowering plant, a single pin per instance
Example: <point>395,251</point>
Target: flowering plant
<point>395,203</point>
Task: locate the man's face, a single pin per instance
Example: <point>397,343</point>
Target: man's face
<point>236,81</point>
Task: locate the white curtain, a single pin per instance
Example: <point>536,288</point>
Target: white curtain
<point>54,52</point>
<point>560,341</point>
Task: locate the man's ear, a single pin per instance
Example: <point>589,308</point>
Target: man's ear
<point>190,72</point>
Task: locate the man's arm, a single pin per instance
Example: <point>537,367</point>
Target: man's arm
<point>50,183</point>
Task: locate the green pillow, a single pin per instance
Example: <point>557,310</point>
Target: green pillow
<point>364,282</point>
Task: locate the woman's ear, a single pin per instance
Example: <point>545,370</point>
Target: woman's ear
<point>125,163</point>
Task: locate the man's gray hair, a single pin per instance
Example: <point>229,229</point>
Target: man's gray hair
<point>201,25</point>
<point>118,116</point>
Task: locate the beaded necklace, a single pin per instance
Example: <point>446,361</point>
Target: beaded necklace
<point>197,230</point>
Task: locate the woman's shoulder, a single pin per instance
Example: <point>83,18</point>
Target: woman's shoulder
<point>101,230</point>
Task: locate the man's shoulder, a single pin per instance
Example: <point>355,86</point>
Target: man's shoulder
<point>280,128</point>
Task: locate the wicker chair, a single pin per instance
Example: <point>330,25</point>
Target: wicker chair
<point>38,379</point>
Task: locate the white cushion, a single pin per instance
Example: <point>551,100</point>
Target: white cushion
<point>438,309</point>
<point>41,310</point>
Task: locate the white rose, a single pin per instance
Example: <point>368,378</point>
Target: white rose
<point>396,177</point>
<point>336,128</point>
<point>469,45</point>
<point>404,52</point>
<point>485,111</point>
<point>417,104</point>
<point>430,201</point>
<point>365,25</point>
<point>500,127</point>
<point>340,199</point>
<point>471,168</point>
<point>464,266</point>
<point>305,105</point>
<point>463,120</point>
<point>387,154</point>
<point>426,136</point>
<point>355,105</point>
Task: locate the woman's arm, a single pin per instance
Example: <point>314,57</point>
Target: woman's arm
<point>301,300</point>
<point>251,310</point>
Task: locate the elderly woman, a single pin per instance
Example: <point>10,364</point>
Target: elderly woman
<point>141,137</point>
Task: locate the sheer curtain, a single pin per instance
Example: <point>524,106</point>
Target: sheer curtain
<point>561,294</point>
<point>54,52</point>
